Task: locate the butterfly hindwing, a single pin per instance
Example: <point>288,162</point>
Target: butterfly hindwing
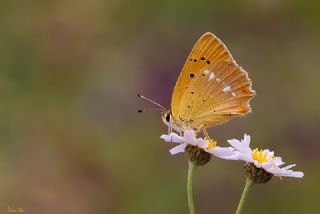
<point>222,92</point>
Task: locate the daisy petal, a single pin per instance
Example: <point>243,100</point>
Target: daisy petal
<point>245,157</point>
<point>202,143</point>
<point>190,137</point>
<point>242,146</point>
<point>285,173</point>
<point>267,165</point>
<point>227,153</point>
<point>178,149</point>
<point>235,144</point>
<point>297,174</point>
<point>231,157</point>
<point>246,139</point>
<point>172,137</point>
<point>220,151</point>
<point>289,166</point>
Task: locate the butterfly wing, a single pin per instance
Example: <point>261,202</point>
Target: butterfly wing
<point>210,93</point>
<point>208,50</point>
<point>221,92</point>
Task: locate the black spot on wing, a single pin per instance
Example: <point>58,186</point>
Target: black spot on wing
<point>192,75</point>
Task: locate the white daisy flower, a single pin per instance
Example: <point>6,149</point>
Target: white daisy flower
<point>264,159</point>
<point>189,138</point>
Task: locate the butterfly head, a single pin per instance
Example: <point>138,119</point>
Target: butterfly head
<point>169,121</point>
<point>166,117</point>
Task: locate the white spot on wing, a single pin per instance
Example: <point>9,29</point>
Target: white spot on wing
<point>227,88</point>
<point>206,71</point>
<point>234,94</point>
<point>218,80</point>
<point>211,76</point>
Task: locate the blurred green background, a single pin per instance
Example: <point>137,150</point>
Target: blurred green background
<point>72,142</point>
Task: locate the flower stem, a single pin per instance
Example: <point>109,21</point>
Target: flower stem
<point>247,187</point>
<point>192,166</point>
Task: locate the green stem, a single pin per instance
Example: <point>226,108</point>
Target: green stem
<point>192,166</point>
<point>247,187</point>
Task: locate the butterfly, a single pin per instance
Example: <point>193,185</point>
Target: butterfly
<point>211,88</point>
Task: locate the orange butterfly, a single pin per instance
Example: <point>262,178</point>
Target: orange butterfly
<point>210,90</point>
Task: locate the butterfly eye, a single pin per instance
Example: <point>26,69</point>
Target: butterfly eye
<point>168,117</point>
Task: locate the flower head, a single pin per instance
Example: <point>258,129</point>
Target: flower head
<point>197,147</point>
<point>261,159</point>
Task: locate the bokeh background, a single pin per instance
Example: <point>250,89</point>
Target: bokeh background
<point>72,142</point>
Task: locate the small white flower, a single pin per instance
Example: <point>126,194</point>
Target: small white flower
<point>262,158</point>
<point>189,138</point>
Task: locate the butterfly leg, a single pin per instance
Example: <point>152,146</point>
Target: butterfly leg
<point>205,133</point>
<point>170,127</point>
<point>202,129</point>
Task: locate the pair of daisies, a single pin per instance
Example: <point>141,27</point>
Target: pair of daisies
<point>239,150</point>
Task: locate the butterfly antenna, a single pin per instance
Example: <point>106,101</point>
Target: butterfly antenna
<point>152,109</point>
<point>151,101</point>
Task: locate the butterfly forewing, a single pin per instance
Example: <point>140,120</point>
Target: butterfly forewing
<point>207,51</point>
<point>210,93</point>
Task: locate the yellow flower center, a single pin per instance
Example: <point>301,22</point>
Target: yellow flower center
<point>212,144</point>
<point>260,157</point>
